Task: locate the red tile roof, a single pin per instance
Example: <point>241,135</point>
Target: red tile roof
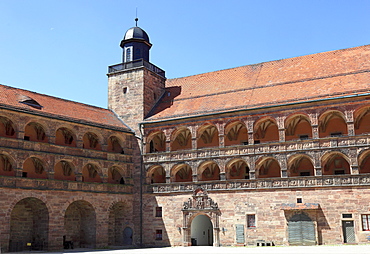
<point>293,80</point>
<point>55,107</point>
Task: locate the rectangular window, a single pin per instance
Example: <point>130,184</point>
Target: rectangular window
<point>251,220</point>
<point>158,234</point>
<point>158,211</point>
<point>365,222</point>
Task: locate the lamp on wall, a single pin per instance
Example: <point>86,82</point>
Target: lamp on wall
<point>179,229</point>
<point>224,230</point>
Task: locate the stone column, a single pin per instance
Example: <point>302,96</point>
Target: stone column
<point>350,122</point>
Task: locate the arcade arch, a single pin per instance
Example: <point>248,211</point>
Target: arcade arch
<point>300,165</point>
<point>80,224</point>
<point>266,130</point>
<point>267,167</point>
<point>181,139</point>
<point>236,133</point>
<point>65,137</point>
<point>207,136</point>
<point>29,223</point>
<point>34,167</point>
<point>90,173</point>
<point>208,171</point>
<point>91,141</point>
<point>156,174</point>
<point>181,173</point>
<point>156,142</point>
<point>7,128</point>
<point>64,170</point>
<point>35,132</point>
<point>332,123</point>
<point>335,163</point>
<point>6,165</point>
<point>298,127</point>
<point>237,169</point>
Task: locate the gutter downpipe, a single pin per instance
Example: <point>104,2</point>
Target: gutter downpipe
<point>141,183</point>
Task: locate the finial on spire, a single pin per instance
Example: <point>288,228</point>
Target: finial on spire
<point>136,19</point>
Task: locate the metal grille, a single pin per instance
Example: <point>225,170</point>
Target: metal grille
<point>348,232</point>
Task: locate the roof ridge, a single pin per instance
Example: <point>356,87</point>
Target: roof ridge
<point>265,62</point>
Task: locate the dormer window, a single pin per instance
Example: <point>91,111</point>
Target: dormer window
<point>29,101</point>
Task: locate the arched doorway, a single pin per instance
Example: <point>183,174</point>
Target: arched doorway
<point>127,236</point>
<point>29,224</point>
<point>201,231</point>
<point>301,230</point>
<point>201,217</point>
<point>80,224</point>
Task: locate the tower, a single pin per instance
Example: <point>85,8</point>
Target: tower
<point>135,85</point>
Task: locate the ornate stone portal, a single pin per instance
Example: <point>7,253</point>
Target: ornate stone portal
<point>200,204</point>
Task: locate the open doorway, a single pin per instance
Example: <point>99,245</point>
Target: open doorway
<point>201,231</point>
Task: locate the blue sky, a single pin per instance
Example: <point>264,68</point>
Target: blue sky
<point>63,48</point>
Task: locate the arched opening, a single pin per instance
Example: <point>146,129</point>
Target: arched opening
<point>65,137</point>
<point>300,165</point>
<point>266,130</point>
<point>29,223</point>
<point>115,175</point>
<point>63,170</point>
<point>181,173</point>
<point>80,224</point>
<point>335,164</point>
<point>236,134</point>
<point>267,168</point>
<point>156,174</point>
<point>208,171</point>
<point>362,121</point>
<point>7,128</point>
<point>35,132</point>
<point>207,136</point>
<point>90,173</point>
<point>201,231</point>
<point>6,166</point>
<point>237,169</point>
<point>91,141</point>
<point>33,167</point>
<point>182,139</point>
<point>115,145</point>
<point>156,142</point>
<point>364,162</point>
<point>332,124</point>
<point>298,127</point>
<point>116,224</point>
<point>301,230</point>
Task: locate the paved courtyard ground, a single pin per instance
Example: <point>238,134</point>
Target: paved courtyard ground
<point>337,249</point>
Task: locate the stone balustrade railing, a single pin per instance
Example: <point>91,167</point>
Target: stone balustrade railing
<point>257,184</point>
<point>259,149</point>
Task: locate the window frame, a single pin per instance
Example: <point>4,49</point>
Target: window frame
<point>251,221</point>
<point>365,222</point>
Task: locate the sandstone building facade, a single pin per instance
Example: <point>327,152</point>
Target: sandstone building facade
<point>275,153</point>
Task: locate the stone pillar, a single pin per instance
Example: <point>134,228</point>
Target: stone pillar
<point>281,128</point>
<point>221,135</point>
<point>249,124</point>
<point>283,166</point>
<point>350,122</point>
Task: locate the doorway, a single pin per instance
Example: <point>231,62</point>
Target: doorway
<point>301,230</point>
<point>201,231</point>
<point>348,232</point>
